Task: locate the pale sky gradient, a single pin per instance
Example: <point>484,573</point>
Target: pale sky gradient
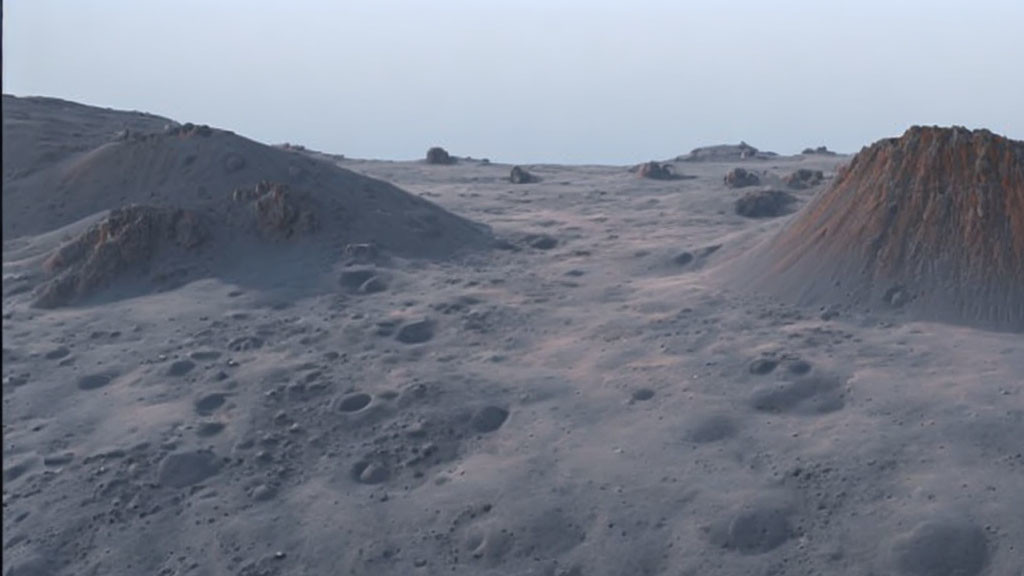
<point>532,80</point>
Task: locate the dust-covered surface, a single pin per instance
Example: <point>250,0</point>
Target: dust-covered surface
<point>586,395</point>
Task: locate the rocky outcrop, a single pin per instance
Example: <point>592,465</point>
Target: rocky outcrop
<point>740,178</point>
<point>127,239</point>
<point>277,210</point>
<point>804,178</point>
<point>519,175</point>
<point>931,223</point>
<point>764,204</point>
<point>654,171</point>
<point>438,155</point>
<point>819,151</point>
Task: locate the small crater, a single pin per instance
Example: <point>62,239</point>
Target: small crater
<point>416,332</point>
<point>763,366</point>
<point>798,367</point>
<point>755,529</point>
<point>209,429</point>
<point>542,242</point>
<point>366,472</point>
<point>58,353</point>
<point>809,395</point>
<point>489,419</point>
<point>354,402</point>
<point>209,403</point>
<point>204,355</point>
<point>245,343</point>
<point>712,429</point>
<point>180,368</point>
<point>184,469</point>
<point>642,394</point>
<point>683,259</point>
<point>942,548</point>
<point>95,381</point>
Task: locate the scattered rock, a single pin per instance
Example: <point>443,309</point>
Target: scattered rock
<point>654,171</point>
<point>278,211</point>
<point>438,155</point>
<point>521,176</point>
<point>740,178</point>
<point>362,253</point>
<point>764,204</point>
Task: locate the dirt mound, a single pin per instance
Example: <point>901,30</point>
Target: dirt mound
<point>250,199</point>
<point>125,241</point>
<point>931,222</point>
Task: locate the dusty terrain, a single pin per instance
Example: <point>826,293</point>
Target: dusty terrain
<point>568,383</point>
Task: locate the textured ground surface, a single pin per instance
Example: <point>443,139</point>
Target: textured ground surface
<point>589,399</point>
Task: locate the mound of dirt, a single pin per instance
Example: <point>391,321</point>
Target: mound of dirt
<point>244,193</point>
<point>654,171</point>
<point>931,223</point>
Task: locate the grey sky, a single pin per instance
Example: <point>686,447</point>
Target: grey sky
<point>532,81</point>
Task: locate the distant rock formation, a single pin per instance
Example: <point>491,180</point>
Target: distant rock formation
<point>725,153</point>
<point>804,178</point>
<point>654,171</point>
<point>519,175</point>
<point>438,155</point>
<point>740,178</point>
<point>931,223</point>
<point>820,151</point>
<point>764,204</point>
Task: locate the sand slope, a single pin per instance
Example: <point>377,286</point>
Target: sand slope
<point>930,224</point>
<point>588,399</point>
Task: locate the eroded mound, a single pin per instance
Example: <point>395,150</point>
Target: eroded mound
<point>239,198</point>
<point>931,222</point>
<point>126,240</point>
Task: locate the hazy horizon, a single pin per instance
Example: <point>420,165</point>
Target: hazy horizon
<point>530,83</point>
